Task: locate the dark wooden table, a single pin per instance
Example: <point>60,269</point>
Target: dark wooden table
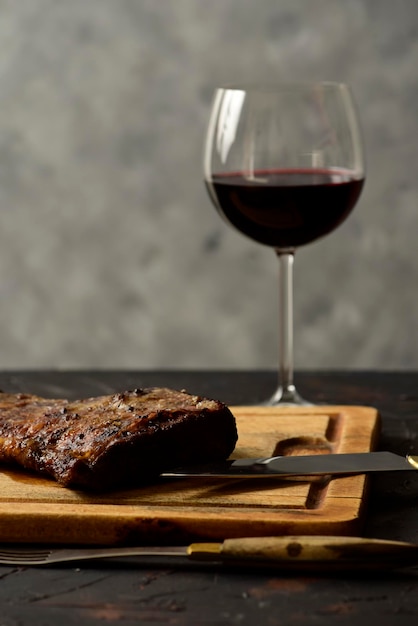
<point>129,592</point>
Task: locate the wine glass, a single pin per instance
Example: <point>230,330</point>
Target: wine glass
<point>284,165</point>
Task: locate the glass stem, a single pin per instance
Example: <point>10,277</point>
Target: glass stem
<point>286,260</point>
<point>286,392</point>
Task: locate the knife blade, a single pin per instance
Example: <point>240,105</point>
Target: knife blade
<point>311,465</point>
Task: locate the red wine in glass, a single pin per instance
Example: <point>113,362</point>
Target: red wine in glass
<point>286,208</point>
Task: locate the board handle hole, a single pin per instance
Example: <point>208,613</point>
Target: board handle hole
<point>303,445</point>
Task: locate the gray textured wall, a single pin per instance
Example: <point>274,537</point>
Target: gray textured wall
<point>111,254</point>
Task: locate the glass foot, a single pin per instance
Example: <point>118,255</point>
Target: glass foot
<point>287,396</point>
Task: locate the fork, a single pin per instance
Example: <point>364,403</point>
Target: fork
<point>311,552</point>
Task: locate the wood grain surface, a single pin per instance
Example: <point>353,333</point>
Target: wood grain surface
<point>34,509</point>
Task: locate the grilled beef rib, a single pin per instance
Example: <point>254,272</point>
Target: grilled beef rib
<point>115,441</point>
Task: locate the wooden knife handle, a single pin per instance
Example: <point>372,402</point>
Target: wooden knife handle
<point>310,552</point>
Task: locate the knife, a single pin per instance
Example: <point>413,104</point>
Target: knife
<point>312,465</point>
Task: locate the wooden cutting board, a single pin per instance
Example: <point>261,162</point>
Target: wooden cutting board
<point>34,509</point>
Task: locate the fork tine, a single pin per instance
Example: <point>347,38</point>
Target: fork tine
<point>20,551</point>
<point>7,561</point>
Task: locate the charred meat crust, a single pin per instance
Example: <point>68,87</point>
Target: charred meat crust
<point>109,442</point>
